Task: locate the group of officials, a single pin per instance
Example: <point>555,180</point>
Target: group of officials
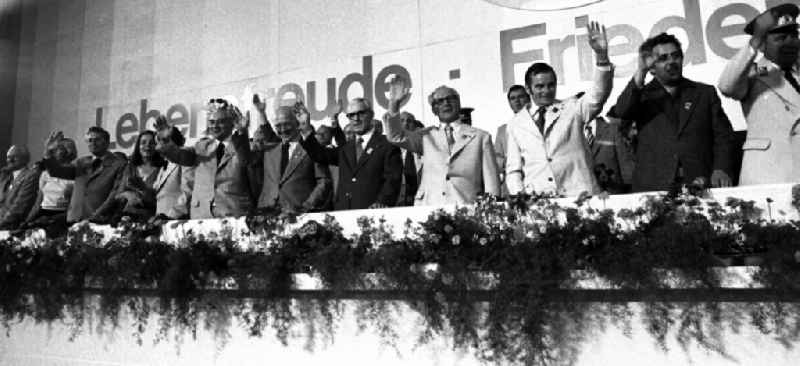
<point>670,130</point>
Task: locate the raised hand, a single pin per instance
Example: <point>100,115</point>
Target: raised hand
<point>260,105</point>
<point>598,40</point>
<point>240,122</point>
<point>335,117</point>
<point>303,118</point>
<point>399,92</point>
<point>761,26</point>
<point>52,142</point>
<point>646,61</point>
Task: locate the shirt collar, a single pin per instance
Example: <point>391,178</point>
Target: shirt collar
<point>457,125</point>
<point>366,137</point>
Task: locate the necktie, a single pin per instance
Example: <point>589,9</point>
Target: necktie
<point>448,132</point>
<point>359,148</point>
<point>787,73</point>
<point>540,119</point>
<point>284,156</point>
<point>589,134</point>
<point>220,151</point>
<point>96,164</point>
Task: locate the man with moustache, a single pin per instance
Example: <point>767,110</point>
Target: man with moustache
<point>221,187</point>
<point>370,168</point>
<point>684,135</point>
<point>770,96</point>
<point>547,151</point>
<point>94,175</point>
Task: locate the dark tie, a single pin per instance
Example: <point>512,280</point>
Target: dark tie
<point>284,156</point>
<point>540,119</point>
<point>96,164</point>
<point>787,73</point>
<point>359,147</point>
<point>448,131</point>
<point>589,135</point>
<point>220,151</point>
<point>411,169</point>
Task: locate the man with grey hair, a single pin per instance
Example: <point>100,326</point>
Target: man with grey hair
<point>458,161</point>
<point>19,184</point>
<point>369,167</point>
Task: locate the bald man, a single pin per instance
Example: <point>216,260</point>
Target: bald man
<point>18,187</point>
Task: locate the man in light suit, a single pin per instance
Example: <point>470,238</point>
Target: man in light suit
<point>369,166</point>
<point>458,161</point>
<point>684,135</point>
<point>292,181</point>
<point>95,176</point>
<point>770,102</point>
<point>221,187</point>
<point>173,184</point>
<point>19,184</point>
<point>547,151</point>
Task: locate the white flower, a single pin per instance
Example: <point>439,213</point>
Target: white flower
<point>483,241</point>
<point>456,240</point>
<point>448,229</point>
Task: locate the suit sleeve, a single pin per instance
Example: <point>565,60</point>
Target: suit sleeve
<point>56,170</point>
<point>322,191</point>
<point>628,105</point>
<point>37,203</point>
<point>185,156</point>
<point>338,136</point>
<point>491,178</point>
<point>400,137</point>
<point>319,153</point>
<point>591,104</point>
<point>392,177</point>
<point>26,196</point>
<point>514,164</point>
<point>723,135</point>
<point>500,148</point>
<point>734,82</point>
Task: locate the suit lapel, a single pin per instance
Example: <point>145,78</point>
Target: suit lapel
<point>349,150</point>
<point>367,152</point>
<point>272,162</point>
<point>599,134</point>
<point>777,83</point>
<point>551,116</point>
<point>687,105</point>
<point>164,174</point>
<point>297,156</point>
<point>225,157</point>
<point>96,172</point>
<point>462,138</point>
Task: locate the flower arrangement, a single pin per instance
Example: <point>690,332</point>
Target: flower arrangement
<point>515,259</point>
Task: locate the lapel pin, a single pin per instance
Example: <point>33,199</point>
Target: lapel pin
<point>687,106</point>
<point>369,151</point>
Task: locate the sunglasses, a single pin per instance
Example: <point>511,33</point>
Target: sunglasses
<point>223,102</point>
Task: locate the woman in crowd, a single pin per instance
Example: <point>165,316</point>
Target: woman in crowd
<point>52,201</point>
<point>134,194</point>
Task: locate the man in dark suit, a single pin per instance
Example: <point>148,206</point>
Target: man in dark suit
<point>370,167</point>
<point>611,153</point>
<point>18,187</point>
<point>94,175</point>
<point>684,135</point>
<point>291,180</point>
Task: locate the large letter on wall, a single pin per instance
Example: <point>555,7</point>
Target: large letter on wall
<point>507,56</point>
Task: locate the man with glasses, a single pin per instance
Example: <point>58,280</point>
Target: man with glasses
<point>370,168</point>
<point>221,187</point>
<point>547,152</point>
<point>684,136</point>
<point>770,96</point>
<point>458,161</point>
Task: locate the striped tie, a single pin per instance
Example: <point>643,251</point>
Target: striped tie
<point>589,134</point>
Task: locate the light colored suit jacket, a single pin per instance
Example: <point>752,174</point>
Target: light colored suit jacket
<point>172,190</point>
<point>93,185</point>
<point>220,189</point>
<point>772,109</point>
<point>559,161</point>
<point>449,177</point>
<point>303,186</point>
